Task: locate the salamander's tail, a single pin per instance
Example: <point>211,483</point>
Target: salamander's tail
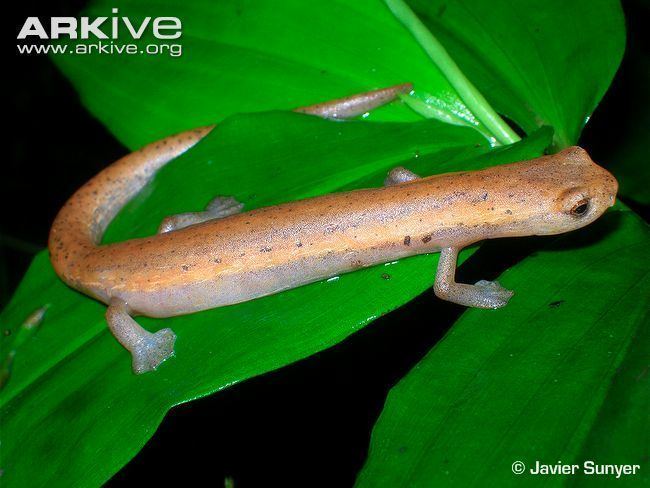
<point>355,105</point>
<point>80,224</point>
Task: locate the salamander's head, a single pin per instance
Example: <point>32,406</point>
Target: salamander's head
<point>571,191</point>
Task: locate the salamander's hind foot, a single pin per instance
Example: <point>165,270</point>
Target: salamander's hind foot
<point>147,350</point>
<point>492,295</point>
<point>151,351</point>
<point>218,208</point>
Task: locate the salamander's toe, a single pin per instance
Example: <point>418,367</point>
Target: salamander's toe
<point>152,350</point>
<point>492,294</point>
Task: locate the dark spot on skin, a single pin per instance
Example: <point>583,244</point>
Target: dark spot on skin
<point>426,238</point>
<point>407,240</point>
<point>217,260</point>
<point>385,276</point>
<point>266,249</point>
<point>509,212</point>
<point>555,304</point>
<point>298,244</point>
<point>484,196</point>
<point>185,267</point>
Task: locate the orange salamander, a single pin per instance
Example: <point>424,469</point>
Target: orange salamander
<point>223,255</point>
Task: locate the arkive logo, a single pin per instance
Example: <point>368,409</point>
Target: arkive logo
<point>88,28</point>
<point>114,35</point>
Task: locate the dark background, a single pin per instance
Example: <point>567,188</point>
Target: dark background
<point>307,424</point>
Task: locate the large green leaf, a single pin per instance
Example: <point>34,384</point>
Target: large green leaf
<point>528,59</point>
<point>625,114</point>
<point>71,404</point>
<point>560,374</point>
<point>538,62</point>
<point>249,57</point>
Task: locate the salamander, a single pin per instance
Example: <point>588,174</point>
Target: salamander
<point>224,255</point>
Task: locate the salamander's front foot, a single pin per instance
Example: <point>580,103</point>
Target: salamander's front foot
<point>491,294</point>
<point>484,294</point>
<point>152,350</point>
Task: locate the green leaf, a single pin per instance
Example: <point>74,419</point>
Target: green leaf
<point>71,404</point>
<point>529,59</point>
<point>538,63</point>
<point>467,91</point>
<point>560,374</point>
<point>628,157</point>
<point>625,149</point>
<point>249,58</point>
<point>619,434</point>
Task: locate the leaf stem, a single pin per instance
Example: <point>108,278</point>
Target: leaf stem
<point>441,58</point>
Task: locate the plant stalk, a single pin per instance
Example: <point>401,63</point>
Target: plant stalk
<point>441,58</point>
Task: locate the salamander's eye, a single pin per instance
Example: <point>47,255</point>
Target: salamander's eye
<point>580,208</point>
